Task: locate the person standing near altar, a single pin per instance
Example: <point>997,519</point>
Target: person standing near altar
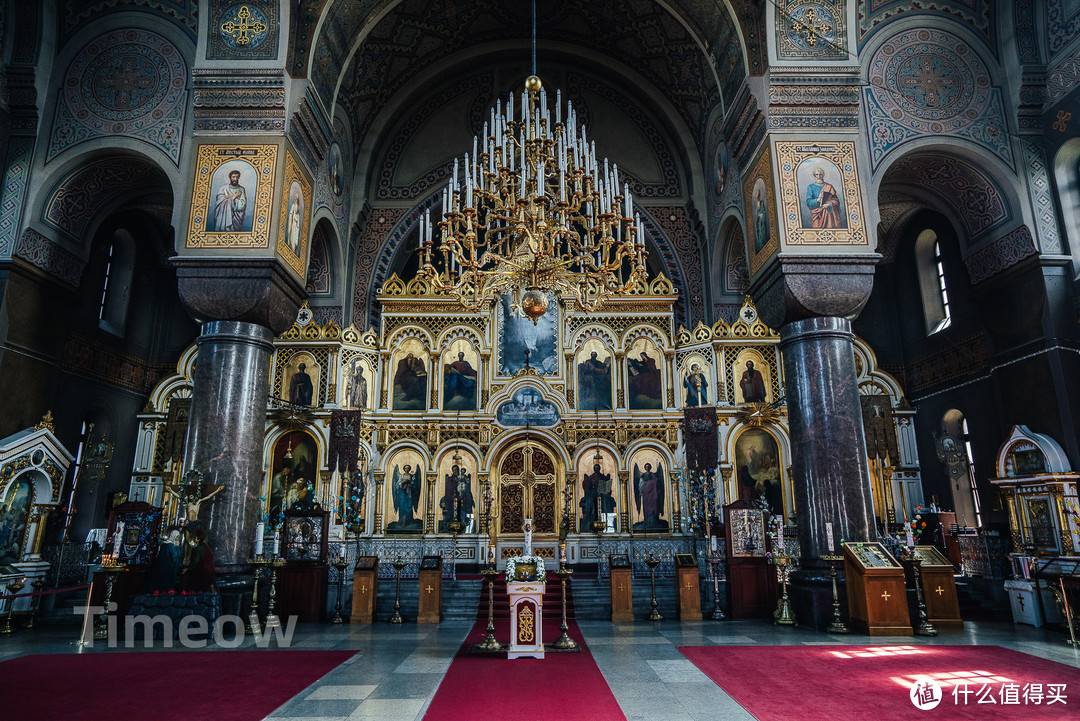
<point>197,571</point>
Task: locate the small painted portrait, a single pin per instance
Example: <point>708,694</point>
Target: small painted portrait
<point>822,194</point>
<point>295,217</point>
<point>293,471</point>
<point>527,407</point>
<point>696,383</point>
<point>460,372</point>
<point>337,178</point>
<point>594,376</point>
<point>14,515</point>
<point>720,180</point>
<point>358,382</point>
<point>522,342</point>
<point>760,211</point>
<point>234,185</point>
<point>411,376</point>
<point>752,379</point>
<point>406,487</point>
<point>650,497</point>
<point>457,471</point>
<point>597,474</point>
<point>757,459</point>
<point>643,374</point>
<point>301,379</point>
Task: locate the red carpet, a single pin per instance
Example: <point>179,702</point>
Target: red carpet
<point>873,682</point>
<point>182,686</point>
<point>561,686</point>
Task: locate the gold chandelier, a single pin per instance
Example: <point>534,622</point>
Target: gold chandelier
<point>531,212</point>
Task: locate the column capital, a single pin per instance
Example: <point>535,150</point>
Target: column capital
<point>252,290</point>
<point>797,286</point>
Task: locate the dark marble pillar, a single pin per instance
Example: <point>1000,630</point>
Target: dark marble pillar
<point>225,433</point>
<point>829,469</point>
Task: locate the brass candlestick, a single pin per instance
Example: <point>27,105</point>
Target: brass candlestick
<point>837,625</point>
<point>924,627</point>
<point>714,562</point>
<point>783,615</point>
<point>101,625</point>
<point>340,565</point>
<point>37,585</point>
<point>396,618</point>
<point>13,587</point>
<point>652,561</point>
<point>272,620</point>
<point>490,643</point>
<point>564,642</point>
<point>254,626</point>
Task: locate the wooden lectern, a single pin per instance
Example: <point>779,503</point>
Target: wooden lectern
<point>877,595</point>
<point>430,589</point>
<point>365,582</point>
<point>939,587</point>
<point>689,590</point>
<point>622,601</point>
<point>751,580</point>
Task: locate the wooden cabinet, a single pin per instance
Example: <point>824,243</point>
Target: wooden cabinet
<point>302,590</point>
<point>365,586</point>
<point>430,589</point>
<point>751,581</point>
<point>877,595</point>
<point>622,601</point>
<point>688,589</point>
<point>939,588</point>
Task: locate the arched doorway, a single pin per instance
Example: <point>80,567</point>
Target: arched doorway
<point>529,478</point>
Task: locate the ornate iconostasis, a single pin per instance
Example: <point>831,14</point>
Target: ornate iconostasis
<point>461,425</point>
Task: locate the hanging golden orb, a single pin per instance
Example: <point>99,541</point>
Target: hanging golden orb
<point>533,84</point>
<point>534,304</point>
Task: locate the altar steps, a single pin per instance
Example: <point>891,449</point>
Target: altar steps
<point>459,599</point>
<point>592,600</point>
<point>982,599</point>
<point>552,599</point>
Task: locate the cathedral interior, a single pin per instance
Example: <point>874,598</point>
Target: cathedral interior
<point>750,315</point>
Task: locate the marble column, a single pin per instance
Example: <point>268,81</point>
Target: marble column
<point>829,468</point>
<point>225,434</point>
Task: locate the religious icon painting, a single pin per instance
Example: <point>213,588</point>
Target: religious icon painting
<point>358,382</point>
<point>644,381</point>
<point>300,379</point>
<point>410,380</point>
<point>232,192</point>
<point>14,520</point>
<point>649,492</point>
<point>594,377</point>
<point>597,477</point>
<point>524,343</point>
<point>457,491</point>
<point>294,216</point>
<point>294,468</point>
<point>762,238</point>
<point>752,377</point>
<point>461,366</point>
<point>758,469</point>
<point>697,386</point>
<point>819,193</point>
<point>405,490</point>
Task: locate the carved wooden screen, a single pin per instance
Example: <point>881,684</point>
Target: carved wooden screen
<point>527,479</point>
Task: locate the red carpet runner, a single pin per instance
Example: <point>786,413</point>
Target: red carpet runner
<point>562,686</point>
<point>825,683</point>
<point>219,685</point>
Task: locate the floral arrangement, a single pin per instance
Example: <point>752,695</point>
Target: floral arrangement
<point>512,564</point>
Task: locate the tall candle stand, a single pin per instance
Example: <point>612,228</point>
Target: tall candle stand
<point>837,625</point>
<point>37,585</point>
<point>272,620</point>
<point>490,643</point>
<point>111,569</point>
<point>254,626</point>
<point>783,615</point>
<point>564,642</point>
<point>340,564</point>
<point>652,561</point>
<point>13,588</point>
<point>924,627</point>
<point>398,565</point>
<point>714,561</point>
<point>598,527</point>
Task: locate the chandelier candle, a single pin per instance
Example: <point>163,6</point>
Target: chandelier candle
<point>530,212</point>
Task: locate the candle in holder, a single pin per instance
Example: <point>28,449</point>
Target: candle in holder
<point>341,551</point>
<point>780,535</point>
<point>828,536</point>
<point>277,542</point>
<point>260,529</point>
<point>910,538</point>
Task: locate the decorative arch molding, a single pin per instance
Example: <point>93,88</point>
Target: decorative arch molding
<point>874,15</point>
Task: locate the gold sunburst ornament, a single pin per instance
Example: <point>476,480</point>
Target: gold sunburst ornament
<point>532,212</point>
<point>759,414</point>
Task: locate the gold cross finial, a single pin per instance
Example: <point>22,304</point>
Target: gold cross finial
<point>241,28</point>
<point>46,422</point>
